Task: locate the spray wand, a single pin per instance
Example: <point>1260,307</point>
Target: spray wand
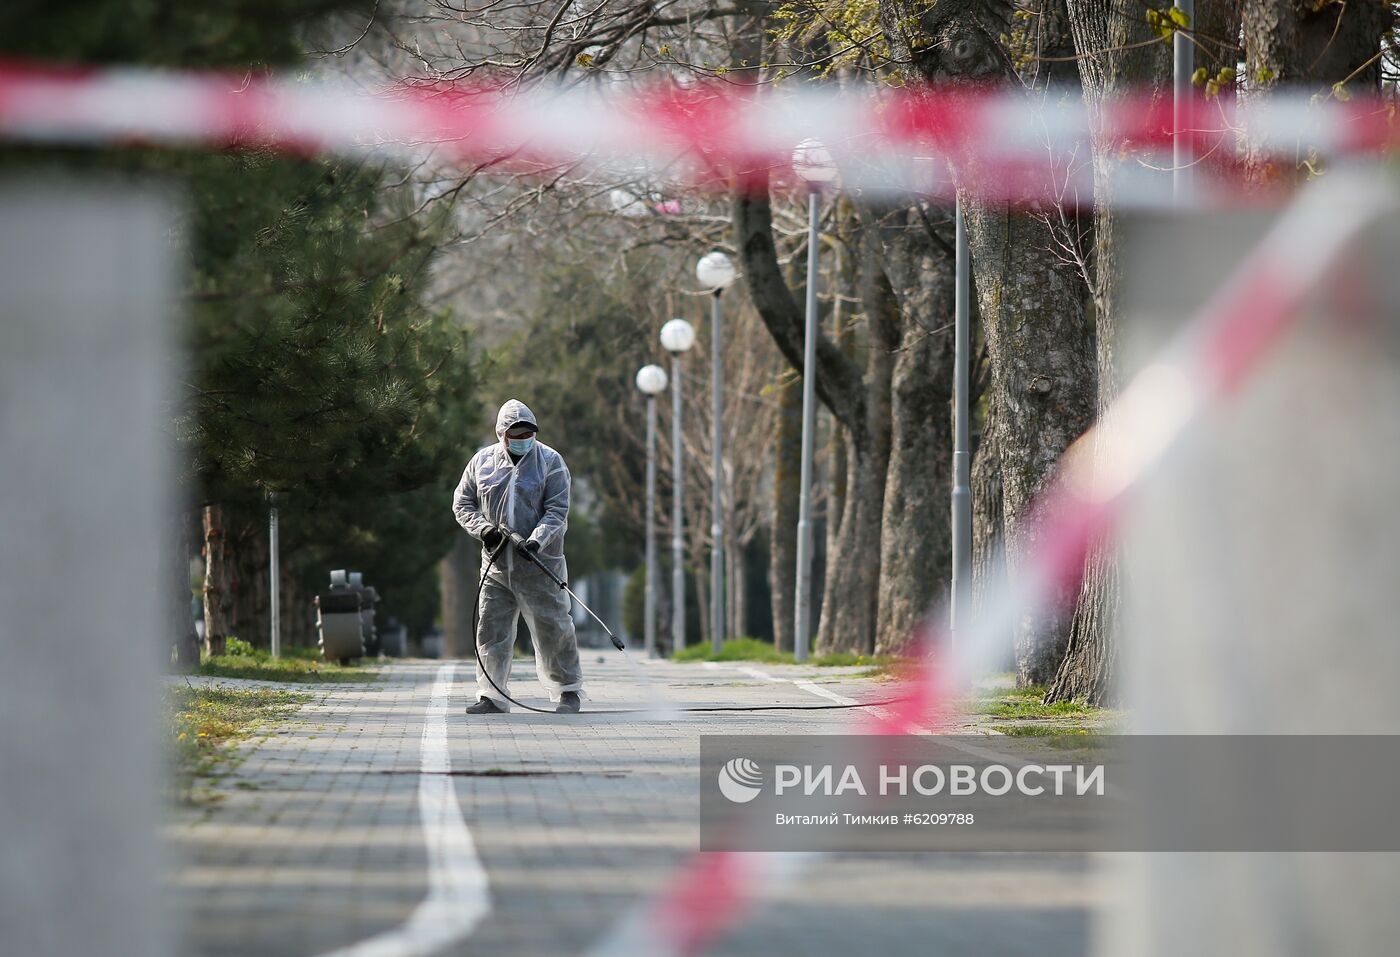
<point>522,545</point>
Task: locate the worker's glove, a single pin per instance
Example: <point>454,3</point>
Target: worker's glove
<point>492,538</point>
<point>532,547</point>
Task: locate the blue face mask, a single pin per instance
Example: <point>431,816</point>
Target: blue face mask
<point>520,446</point>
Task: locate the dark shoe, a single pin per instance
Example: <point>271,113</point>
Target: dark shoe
<point>569,703</point>
<point>485,706</point>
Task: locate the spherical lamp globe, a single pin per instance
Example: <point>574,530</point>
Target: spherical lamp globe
<point>812,161</point>
<point>715,271</point>
<point>651,379</point>
<point>677,336</point>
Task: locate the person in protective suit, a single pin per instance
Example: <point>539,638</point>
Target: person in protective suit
<point>521,484</point>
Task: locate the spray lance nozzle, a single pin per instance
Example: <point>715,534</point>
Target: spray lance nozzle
<point>522,545</point>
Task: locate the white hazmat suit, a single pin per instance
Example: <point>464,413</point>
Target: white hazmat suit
<point>530,497</point>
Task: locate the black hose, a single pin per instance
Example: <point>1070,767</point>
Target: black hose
<point>476,630</point>
<point>481,665</point>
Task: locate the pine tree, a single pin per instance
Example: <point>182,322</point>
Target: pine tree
<point>318,375</point>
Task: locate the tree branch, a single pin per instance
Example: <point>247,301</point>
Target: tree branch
<point>839,383</point>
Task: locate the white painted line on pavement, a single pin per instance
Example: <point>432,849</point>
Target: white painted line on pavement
<point>808,686</point>
<point>817,689</point>
<point>948,740</point>
<point>459,895</point>
<point>765,676</point>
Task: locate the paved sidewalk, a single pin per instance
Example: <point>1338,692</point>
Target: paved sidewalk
<point>572,820</point>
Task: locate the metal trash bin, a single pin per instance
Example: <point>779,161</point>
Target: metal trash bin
<point>339,620</point>
<point>393,641</point>
<point>430,645</point>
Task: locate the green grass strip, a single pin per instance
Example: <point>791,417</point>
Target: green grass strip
<point>752,649</point>
<point>201,722</point>
<point>299,665</point>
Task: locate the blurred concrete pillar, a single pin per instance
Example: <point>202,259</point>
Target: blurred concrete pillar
<point>86,281</point>
<point>1262,588</point>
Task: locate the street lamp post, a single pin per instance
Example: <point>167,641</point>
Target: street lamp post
<point>812,162</point>
<point>1183,64</point>
<point>275,582</point>
<point>715,272</point>
<point>651,380</point>
<point>677,336</point>
<point>958,603</point>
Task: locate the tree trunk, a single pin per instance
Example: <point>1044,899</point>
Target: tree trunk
<point>847,621</point>
<point>850,600</point>
<point>665,639</point>
<point>702,596</point>
<point>1309,46</point>
<point>740,625</point>
<point>457,577</point>
<point>1043,382</point>
<point>915,535</point>
<point>1089,669</point>
<point>843,334</point>
<point>787,452</point>
<point>988,539</point>
<point>1115,61</point>
<point>1039,340</point>
<point>1304,43</point>
<point>217,585</point>
<point>249,599</point>
<point>298,622</point>
<point>730,626</point>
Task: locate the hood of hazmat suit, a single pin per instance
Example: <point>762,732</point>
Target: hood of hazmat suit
<point>531,497</point>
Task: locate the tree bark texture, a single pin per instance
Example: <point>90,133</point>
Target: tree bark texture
<point>1039,339</point>
<point>702,595</point>
<point>915,540</point>
<point>1043,381</point>
<point>737,592</point>
<point>217,582</point>
<point>1113,61</point>
<point>988,539</point>
<point>1309,47</point>
<point>856,560</point>
<point>1304,43</point>
<point>843,332</point>
<point>1117,58</point>
<point>787,452</point>
<point>839,383</point>
<point>850,600</point>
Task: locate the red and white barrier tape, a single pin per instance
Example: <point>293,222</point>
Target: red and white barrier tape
<point>883,139</point>
<point>890,140</point>
<point>1225,342</point>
